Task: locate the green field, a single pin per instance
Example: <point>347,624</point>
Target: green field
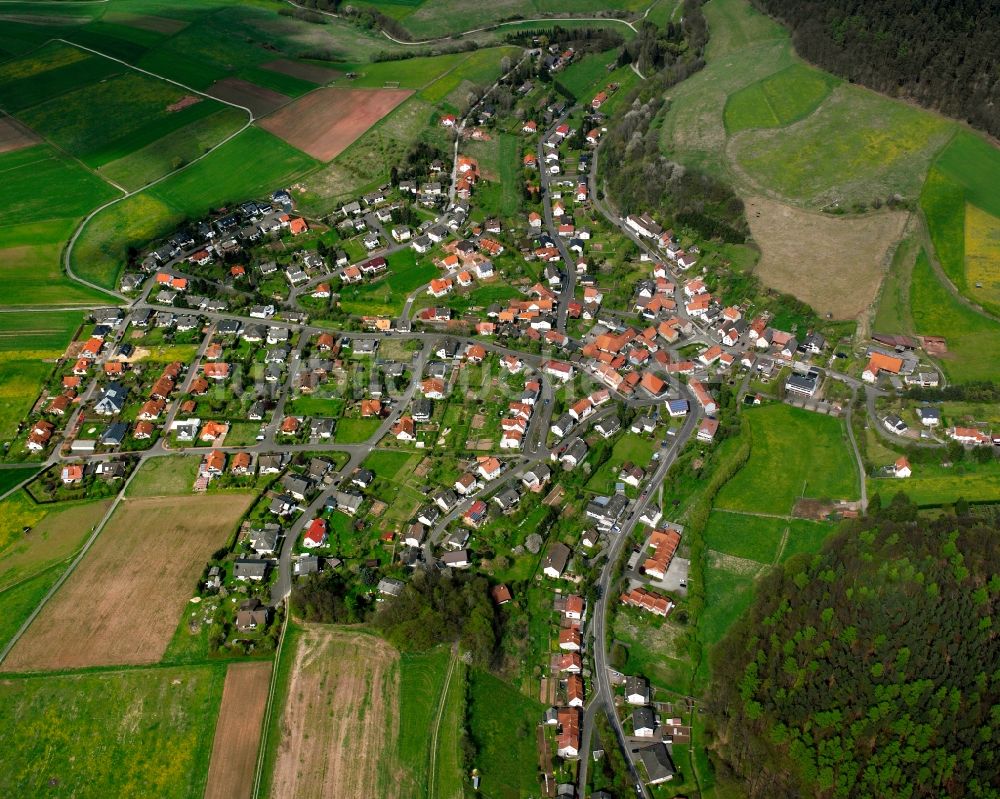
<point>794,453</point>
<point>110,119</point>
<point>355,431</point>
<point>18,601</point>
<point>779,99</point>
<point>856,146</point>
<point>41,184</point>
<point>49,72</point>
<point>421,680</point>
<point>411,73</point>
<point>71,728</point>
<point>629,447</point>
<point>586,77</point>
<point>760,538</point>
<point>893,312</point>
<point>502,724</point>
<point>973,339</point>
<point>315,406</point>
<point>173,150</point>
<point>388,463</point>
<point>933,485</point>
<point>481,68</point>
<point>389,295</point>
<point>11,477</point>
<point>212,182</point>
<point>168,476</point>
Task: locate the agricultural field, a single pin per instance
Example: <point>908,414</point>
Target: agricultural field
<point>794,453</point>
<point>973,340</point>
<point>343,689</point>
<point>502,724</point>
<point>327,121</point>
<point>134,617</point>
<point>237,732</point>
<point>57,531</point>
<point>814,269</point>
<point>72,728</point>
<point>30,341</point>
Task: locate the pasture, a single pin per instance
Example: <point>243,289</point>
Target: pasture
<point>502,724</point>
<point>326,122</point>
<point>973,339</point>
<point>589,75</point>
<point>794,453</point>
<point>237,733</point>
<point>856,146</point>
<point>779,99</point>
<point>893,311</point>
<point>343,690</point>
<point>118,607</point>
<point>803,254</point>
<point>982,256</point>
<point>72,730</point>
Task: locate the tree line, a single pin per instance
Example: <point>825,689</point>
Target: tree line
<point>943,55</point>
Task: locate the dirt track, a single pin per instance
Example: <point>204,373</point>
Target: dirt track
<point>341,718</point>
<point>237,733</point>
<point>326,122</point>
<point>833,263</point>
<point>126,598</point>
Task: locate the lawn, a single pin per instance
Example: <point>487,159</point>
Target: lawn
<point>315,406</point>
<point>482,296</point>
<point>389,295</point>
<point>389,463</point>
<point>760,538</point>
<point>973,340</point>
<point>167,476</point>
<point>779,99</point>
<point>355,431</point>
<point>70,728</point>
<point>794,453</point>
<point>502,724</point>
<point>630,447</point>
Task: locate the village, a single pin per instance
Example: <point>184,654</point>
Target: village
<point>425,381</point>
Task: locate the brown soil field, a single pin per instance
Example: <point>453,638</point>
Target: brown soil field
<point>237,732</point>
<point>123,602</point>
<point>258,99</point>
<point>148,22</point>
<point>309,72</point>
<point>341,718</point>
<point>15,136</point>
<point>326,122</point>
<point>833,263</point>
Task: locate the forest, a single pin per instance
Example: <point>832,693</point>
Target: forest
<point>870,669</point>
<point>943,55</point>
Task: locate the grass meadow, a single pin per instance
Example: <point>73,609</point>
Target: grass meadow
<point>388,463</point>
<point>973,340</point>
<point>763,539</point>
<point>933,485</point>
<point>794,453</point>
<point>389,295</point>
<point>502,724</point>
<point>355,431</point>
<point>587,76</point>
<point>168,476</point>
<point>779,99</point>
<point>70,728</point>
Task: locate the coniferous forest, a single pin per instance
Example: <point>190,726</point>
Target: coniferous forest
<point>942,54</point>
<point>871,669</point>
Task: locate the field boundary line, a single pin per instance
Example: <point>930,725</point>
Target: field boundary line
<point>70,569</point>
<point>782,545</point>
<point>266,722</point>
<point>68,251</point>
<point>432,766</point>
<point>755,513</point>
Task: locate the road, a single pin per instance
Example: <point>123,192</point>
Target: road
<point>569,264</point>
